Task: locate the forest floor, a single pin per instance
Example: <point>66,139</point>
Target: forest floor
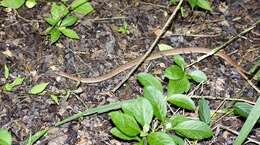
<point>101,48</point>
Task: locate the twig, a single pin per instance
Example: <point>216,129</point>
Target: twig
<point>237,133</point>
<point>224,98</point>
<point>151,47</point>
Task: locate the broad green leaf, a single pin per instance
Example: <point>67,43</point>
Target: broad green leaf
<point>125,123</point>
<point>55,35</point>
<point>31,140</point>
<point>198,76</point>
<point>160,138</point>
<point>37,89</point>
<point>249,124</point>
<point>5,137</point>
<point>179,60</point>
<point>117,133</point>
<point>193,129</point>
<point>243,109</point>
<point>193,3</point>
<point>163,47</point>
<point>182,101</point>
<point>147,79</point>
<point>140,142</point>
<point>157,100</point>
<point>69,21</point>
<point>178,140</point>
<point>82,7</point>
<point>204,111</point>
<point>51,20</point>
<point>55,99</point>
<point>58,11</point>
<point>175,120</point>
<point>30,3</point>
<point>204,4</point>
<point>69,33</point>
<point>141,109</point>
<point>174,72</point>
<point>12,3</point>
<point>6,71</point>
<point>178,86</point>
<point>9,86</point>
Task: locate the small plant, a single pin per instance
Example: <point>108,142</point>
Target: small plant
<point>135,121</point>
<point>15,4</point>
<point>203,4</point>
<point>123,29</point>
<point>62,18</point>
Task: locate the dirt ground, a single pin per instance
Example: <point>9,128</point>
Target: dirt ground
<point>101,48</point>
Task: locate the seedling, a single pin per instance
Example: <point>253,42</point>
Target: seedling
<point>123,29</point>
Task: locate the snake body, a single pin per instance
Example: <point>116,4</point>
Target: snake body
<point>153,56</point>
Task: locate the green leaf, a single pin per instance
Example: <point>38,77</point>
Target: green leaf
<point>174,120</point>
<point>30,3</point>
<point>193,3</point>
<point>125,123</point>
<point>178,86</point>
<point>193,129</point>
<point>249,124</point>
<point>163,47</point>
<point>243,109</point>
<point>198,76</point>
<point>55,99</point>
<point>116,132</point>
<point>51,20</point>
<point>9,86</point>
<point>6,71</point>
<point>31,140</point>
<point>141,109</point>
<point>147,79</point>
<point>69,33</point>
<point>160,138</point>
<point>182,101</point>
<point>178,140</point>
<point>204,4</point>
<point>157,100</point>
<point>37,89</point>
<point>179,60</point>
<point>174,72</point>
<point>69,21</point>
<point>12,3</point>
<point>55,35</point>
<point>140,142</point>
<point>204,111</point>
<point>82,7</point>
<point>5,137</point>
<point>58,11</point>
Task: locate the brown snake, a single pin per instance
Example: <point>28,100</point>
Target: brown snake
<point>153,56</point>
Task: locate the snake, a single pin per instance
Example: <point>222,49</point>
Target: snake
<point>153,56</point>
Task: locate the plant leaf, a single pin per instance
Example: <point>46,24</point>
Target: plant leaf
<point>36,136</point>
<point>9,86</point>
<point>6,71</point>
<point>182,101</point>
<point>243,109</point>
<point>58,11</point>
<point>69,21</point>
<point>51,20</point>
<point>82,7</point>
<point>55,99</point>
<point>14,4</point>
<point>163,47</point>
<point>178,140</point>
<point>141,109</point>
<point>175,120</point>
<point>157,100</point>
<point>5,137</point>
<point>55,35</point>
<point>204,4</point>
<point>178,86</point>
<point>193,129</point>
<point>30,3</point>
<point>147,79</point>
<point>38,88</point>
<point>116,132</point>
<point>125,123</point>
<point>174,72</point>
<point>204,111</point>
<point>69,33</point>
<point>198,76</point>
<point>160,138</point>
<point>193,3</point>
<point>249,124</point>
<point>179,60</point>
